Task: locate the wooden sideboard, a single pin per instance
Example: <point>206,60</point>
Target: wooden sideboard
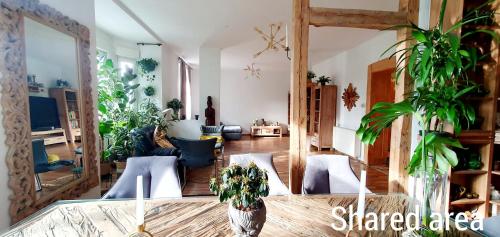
<point>266,131</point>
<point>50,137</point>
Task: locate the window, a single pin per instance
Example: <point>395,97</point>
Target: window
<point>125,64</point>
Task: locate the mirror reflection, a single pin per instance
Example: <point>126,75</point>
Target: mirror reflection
<point>54,104</point>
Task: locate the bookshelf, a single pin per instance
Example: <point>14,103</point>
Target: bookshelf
<point>480,139</point>
<point>68,107</point>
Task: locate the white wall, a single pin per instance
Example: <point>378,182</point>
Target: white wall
<point>246,99</point>
<point>154,52</point>
<point>210,78</point>
<point>351,66</point>
<point>170,75</point>
<point>115,47</point>
<point>4,178</point>
<point>50,55</point>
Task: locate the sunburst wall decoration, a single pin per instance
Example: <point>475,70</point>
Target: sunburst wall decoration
<point>350,96</point>
<point>253,71</point>
<point>271,39</point>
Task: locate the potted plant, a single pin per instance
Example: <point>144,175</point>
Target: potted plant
<point>149,91</point>
<point>147,65</point>
<point>176,105</point>
<point>311,75</point>
<point>323,80</point>
<point>105,128</point>
<point>437,64</point>
<point>243,188</point>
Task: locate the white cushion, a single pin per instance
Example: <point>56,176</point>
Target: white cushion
<point>341,177</point>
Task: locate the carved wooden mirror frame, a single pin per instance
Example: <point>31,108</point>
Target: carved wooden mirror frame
<point>15,107</point>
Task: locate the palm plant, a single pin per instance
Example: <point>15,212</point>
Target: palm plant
<point>437,63</point>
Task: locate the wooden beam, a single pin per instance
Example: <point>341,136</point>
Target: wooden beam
<point>298,132</point>
<point>365,19</point>
<point>401,128</point>
<point>453,13</point>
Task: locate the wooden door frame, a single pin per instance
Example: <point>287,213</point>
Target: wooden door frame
<point>303,17</point>
<point>381,65</point>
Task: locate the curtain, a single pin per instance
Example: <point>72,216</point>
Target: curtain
<point>185,89</point>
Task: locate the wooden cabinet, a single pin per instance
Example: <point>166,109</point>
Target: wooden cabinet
<point>68,106</point>
<point>323,107</point>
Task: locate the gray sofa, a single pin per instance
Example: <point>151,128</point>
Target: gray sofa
<point>231,132</point>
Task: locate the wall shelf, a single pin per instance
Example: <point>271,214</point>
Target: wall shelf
<point>495,172</point>
<point>466,201</point>
<point>480,140</point>
<point>469,172</point>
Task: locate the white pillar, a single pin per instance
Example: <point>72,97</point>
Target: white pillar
<point>209,81</point>
<point>170,75</point>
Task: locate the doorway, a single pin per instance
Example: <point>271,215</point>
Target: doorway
<point>380,88</point>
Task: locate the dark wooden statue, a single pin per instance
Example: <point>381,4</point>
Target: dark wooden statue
<point>209,113</point>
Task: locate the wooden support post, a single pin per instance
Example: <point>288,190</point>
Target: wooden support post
<point>401,128</point>
<point>298,135</point>
<point>366,19</point>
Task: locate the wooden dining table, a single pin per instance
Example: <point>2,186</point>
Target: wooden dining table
<point>293,215</point>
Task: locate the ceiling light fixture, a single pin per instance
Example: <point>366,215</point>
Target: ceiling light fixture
<point>273,43</point>
<point>253,71</point>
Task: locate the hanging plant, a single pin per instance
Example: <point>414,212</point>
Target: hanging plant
<point>147,65</point>
<point>149,91</point>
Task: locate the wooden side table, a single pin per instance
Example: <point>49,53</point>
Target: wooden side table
<point>266,131</point>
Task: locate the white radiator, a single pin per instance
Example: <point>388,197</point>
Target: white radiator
<point>346,141</point>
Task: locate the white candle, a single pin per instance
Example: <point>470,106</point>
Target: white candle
<point>286,35</point>
<point>139,206</point>
<point>362,194</point>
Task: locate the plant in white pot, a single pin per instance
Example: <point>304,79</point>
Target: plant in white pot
<point>437,63</point>
<point>243,187</point>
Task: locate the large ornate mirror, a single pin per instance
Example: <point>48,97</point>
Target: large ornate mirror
<point>47,105</point>
<point>54,105</point>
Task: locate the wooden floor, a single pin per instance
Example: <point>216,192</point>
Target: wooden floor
<point>197,179</point>
<point>54,179</point>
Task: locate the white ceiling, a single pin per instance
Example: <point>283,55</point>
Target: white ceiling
<point>113,20</point>
<point>187,25</point>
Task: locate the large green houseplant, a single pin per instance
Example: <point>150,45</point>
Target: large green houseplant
<point>118,112</point>
<point>116,96</point>
<point>243,187</point>
<point>437,64</point>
